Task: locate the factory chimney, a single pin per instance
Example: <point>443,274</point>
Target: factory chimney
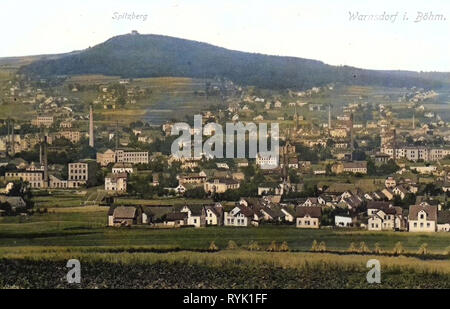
<point>45,162</point>
<point>13,148</point>
<point>352,138</point>
<point>329,117</point>
<point>91,127</point>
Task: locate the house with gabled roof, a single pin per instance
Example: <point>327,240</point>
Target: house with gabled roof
<point>422,218</point>
<point>213,214</point>
<point>124,215</point>
<point>308,217</point>
<point>195,216</point>
<point>443,221</point>
<point>385,218</point>
<point>241,216</point>
<point>176,219</point>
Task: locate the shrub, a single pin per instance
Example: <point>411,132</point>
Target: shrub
<point>284,247</point>
<point>273,247</point>
<point>232,245</point>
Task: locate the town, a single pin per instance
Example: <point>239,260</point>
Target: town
<point>354,165</point>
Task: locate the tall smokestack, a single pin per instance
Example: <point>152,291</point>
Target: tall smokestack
<point>91,127</point>
<point>45,162</point>
<point>329,117</point>
<point>394,144</point>
<point>414,121</point>
<point>352,138</point>
<point>8,136</point>
<point>13,148</point>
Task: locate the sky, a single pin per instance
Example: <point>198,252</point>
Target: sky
<point>319,29</point>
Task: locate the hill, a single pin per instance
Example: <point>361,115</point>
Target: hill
<point>156,56</point>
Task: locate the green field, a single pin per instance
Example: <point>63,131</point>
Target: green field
<point>87,227</point>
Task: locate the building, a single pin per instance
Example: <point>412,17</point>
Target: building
<point>343,221</point>
<point>116,182</point>
<point>42,121</point>
<point>72,136</point>
<point>195,216</point>
<point>106,158</point>
<point>35,179</point>
<point>82,173</point>
<point>220,185</point>
<point>134,157</point>
<point>240,216</point>
<point>385,217</point>
<point>443,221</point>
<point>124,216</point>
<point>308,217</point>
<point>390,182</point>
<point>213,214</point>
<point>422,218</point>
<point>416,153</point>
<point>266,161</point>
<point>356,167</point>
<point>176,219</point>
<point>120,168</point>
<point>192,178</point>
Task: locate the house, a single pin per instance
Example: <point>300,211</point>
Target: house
<point>386,219</point>
<point>241,162</point>
<point>443,221</point>
<point>176,219</point>
<point>390,182</point>
<point>213,214</point>
<point>343,221</point>
<point>266,161</point>
<point>272,214</point>
<point>308,217</point>
<point>400,191</point>
<point>422,218</point>
<point>388,194</point>
<point>192,178</point>
<point>220,185</point>
<point>124,216</point>
<point>356,167</point>
<point>222,165</point>
<point>240,216</point>
<point>352,202</point>
<point>107,157</point>
<point>289,214</point>
<point>116,182</point>
<point>16,202</point>
<point>195,216</point>
<point>314,201</point>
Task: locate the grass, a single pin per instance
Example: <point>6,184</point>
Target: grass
<point>86,226</point>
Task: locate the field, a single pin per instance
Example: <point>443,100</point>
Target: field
<point>35,249</point>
